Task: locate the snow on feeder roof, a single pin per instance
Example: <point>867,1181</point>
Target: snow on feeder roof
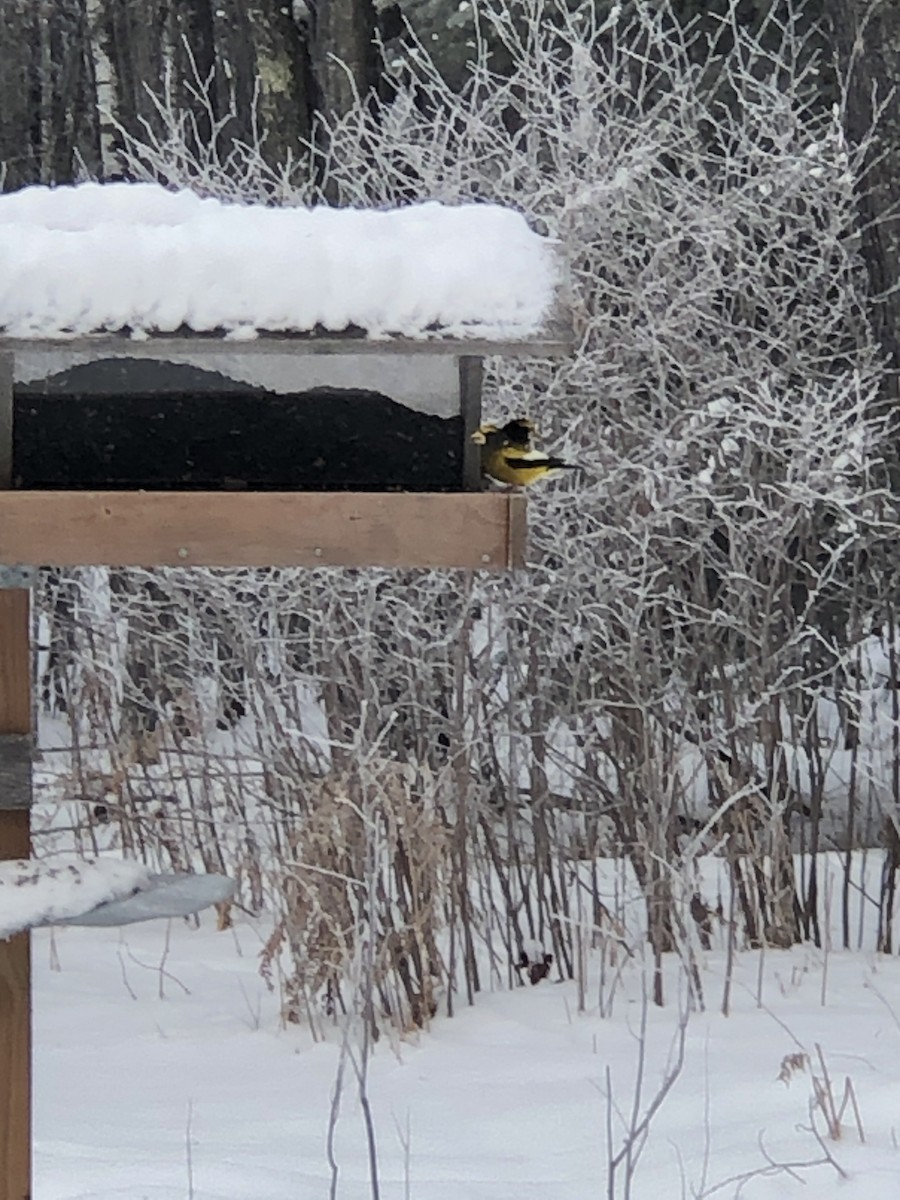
<point>105,258</point>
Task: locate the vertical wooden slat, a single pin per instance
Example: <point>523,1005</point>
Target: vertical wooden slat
<point>517,539</point>
<point>15,842</point>
<point>6,414</point>
<point>470,376</point>
<point>15,954</point>
<point>15,663</point>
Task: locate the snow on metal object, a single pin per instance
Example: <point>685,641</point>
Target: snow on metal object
<point>165,896</point>
<point>61,890</point>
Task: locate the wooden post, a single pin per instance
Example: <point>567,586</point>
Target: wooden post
<point>470,378</point>
<point>15,842</point>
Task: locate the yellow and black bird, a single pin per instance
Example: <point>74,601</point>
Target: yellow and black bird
<point>517,432</point>
<point>508,455</point>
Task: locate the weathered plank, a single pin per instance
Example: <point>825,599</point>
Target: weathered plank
<point>15,1036</point>
<point>518,531</point>
<point>16,752</point>
<point>15,954</point>
<point>470,380</point>
<point>555,341</point>
<point>260,529</point>
<point>15,659</point>
<point>6,415</point>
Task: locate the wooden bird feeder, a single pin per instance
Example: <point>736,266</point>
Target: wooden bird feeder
<point>283,452</point>
<point>198,449</point>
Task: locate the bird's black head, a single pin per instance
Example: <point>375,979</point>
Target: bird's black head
<point>519,432</point>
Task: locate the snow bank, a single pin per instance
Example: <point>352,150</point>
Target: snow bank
<point>38,892</point>
<point>136,1067</point>
<point>108,257</point>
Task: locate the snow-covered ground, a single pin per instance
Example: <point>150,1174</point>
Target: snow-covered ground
<point>162,1071</point>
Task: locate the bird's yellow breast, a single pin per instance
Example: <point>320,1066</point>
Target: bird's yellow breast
<point>509,466</point>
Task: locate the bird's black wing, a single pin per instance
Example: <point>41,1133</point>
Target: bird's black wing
<point>530,464</point>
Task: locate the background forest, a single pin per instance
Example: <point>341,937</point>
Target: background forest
<point>704,654</point>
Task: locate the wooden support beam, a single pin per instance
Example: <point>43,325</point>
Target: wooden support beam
<point>474,531</point>
<point>517,536</point>
<point>6,416</point>
<point>470,380</point>
<point>555,340</point>
<point>15,842</point>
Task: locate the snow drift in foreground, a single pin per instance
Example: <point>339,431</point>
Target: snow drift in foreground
<point>107,257</point>
<point>37,892</point>
<point>163,1068</point>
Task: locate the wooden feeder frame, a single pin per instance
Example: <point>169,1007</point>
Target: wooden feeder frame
<point>472,529</point>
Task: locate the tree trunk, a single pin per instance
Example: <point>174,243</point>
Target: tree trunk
<point>133,37</point>
<point>344,58</point>
<point>73,134</point>
<point>866,39</point>
<point>193,36</point>
<point>19,123</point>
<point>284,72</point>
<point>48,105</point>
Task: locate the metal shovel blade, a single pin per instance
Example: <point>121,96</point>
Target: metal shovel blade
<point>166,896</point>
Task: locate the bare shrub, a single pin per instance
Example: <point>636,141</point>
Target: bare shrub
<point>329,900</point>
<point>823,1099</point>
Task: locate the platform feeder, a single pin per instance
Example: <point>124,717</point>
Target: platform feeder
<point>219,448</point>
